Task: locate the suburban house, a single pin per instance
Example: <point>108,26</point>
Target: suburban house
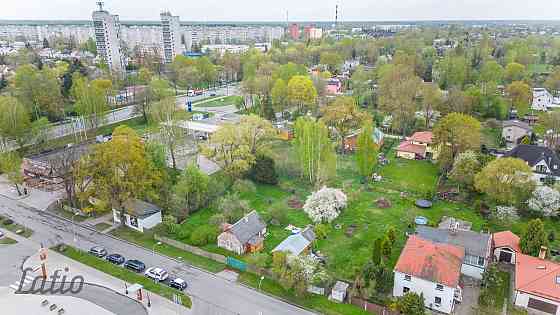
<point>245,236</point>
<point>432,269</point>
<point>543,100</point>
<point>298,243</point>
<point>514,130</point>
<point>139,215</point>
<point>537,285</point>
<point>418,147</point>
<point>351,141</point>
<point>505,246</point>
<point>333,87</point>
<point>543,161</point>
<point>477,246</point>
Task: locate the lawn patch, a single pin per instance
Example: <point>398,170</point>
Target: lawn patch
<point>102,226</point>
<point>15,228</point>
<point>7,241</point>
<point>124,274</point>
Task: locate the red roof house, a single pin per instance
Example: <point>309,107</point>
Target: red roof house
<point>505,246</point>
<point>537,284</point>
<point>417,146</point>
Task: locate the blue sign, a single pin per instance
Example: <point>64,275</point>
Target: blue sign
<point>189,106</point>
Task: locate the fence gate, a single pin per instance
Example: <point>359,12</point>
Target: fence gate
<point>236,263</point>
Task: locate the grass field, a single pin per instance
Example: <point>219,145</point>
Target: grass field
<point>102,226</point>
<point>14,227</point>
<point>7,241</point>
<point>218,101</point>
<point>124,274</point>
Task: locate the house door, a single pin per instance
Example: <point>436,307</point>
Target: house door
<point>542,306</point>
<point>505,256</point>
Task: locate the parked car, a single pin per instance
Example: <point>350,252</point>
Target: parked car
<point>116,259</point>
<point>212,93</point>
<point>98,251</point>
<point>1,234</point>
<point>156,273</point>
<point>178,284</point>
<point>135,265</point>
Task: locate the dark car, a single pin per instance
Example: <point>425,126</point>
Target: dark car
<point>178,284</point>
<point>212,93</point>
<point>98,251</point>
<point>116,259</point>
<point>135,265</point>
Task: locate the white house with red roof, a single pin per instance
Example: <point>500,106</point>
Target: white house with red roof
<point>537,285</point>
<point>432,269</point>
<point>418,146</point>
<point>505,246</point>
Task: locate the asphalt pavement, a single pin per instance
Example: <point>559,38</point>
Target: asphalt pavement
<point>210,294</point>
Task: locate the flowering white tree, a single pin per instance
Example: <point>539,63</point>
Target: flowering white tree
<point>545,200</point>
<point>505,213</point>
<point>325,204</point>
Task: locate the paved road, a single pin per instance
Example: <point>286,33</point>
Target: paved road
<point>210,294</point>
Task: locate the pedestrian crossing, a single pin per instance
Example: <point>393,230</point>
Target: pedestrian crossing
<point>28,279</point>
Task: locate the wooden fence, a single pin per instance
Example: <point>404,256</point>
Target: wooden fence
<point>192,249</point>
<point>372,308</point>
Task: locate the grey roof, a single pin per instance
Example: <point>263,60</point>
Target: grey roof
<point>140,209</point>
<point>296,243</point>
<point>533,154</point>
<point>246,228</point>
<point>474,243</point>
<point>517,123</point>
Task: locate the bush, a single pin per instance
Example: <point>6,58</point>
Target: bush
<point>551,236</point>
<point>216,187</point>
<point>244,186</point>
<point>264,170</point>
<point>204,235</point>
<point>8,222</point>
<point>183,234</point>
<point>278,214</point>
<point>217,219</point>
<point>322,230</point>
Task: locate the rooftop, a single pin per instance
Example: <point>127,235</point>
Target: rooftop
<point>139,208</point>
<point>533,154</point>
<point>506,239</point>
<point>296,243</point>
<point>537,276</point>
<point>435,262</point>
<point>474,243</point>
<point>247,227</point>
<point>422,136</point>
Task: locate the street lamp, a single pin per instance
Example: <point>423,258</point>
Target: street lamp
<point>74,227</point>
<point>154,248</point>
<point>260,282</point>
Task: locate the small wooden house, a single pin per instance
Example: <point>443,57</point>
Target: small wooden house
<point>245,236</point>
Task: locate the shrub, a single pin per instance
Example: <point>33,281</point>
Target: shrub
<point>264,170</point>
<point>258,259</point>
<point>322,230</point>
<point>183,234</point>
<point>8,222</point>
<point>217,219</point>
<point>170,224</point>
<point>551,236</point>
<point>244,186</point>
<point>278,214</point>
<point>204,235</point>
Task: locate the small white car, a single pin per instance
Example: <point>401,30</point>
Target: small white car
<point>156,273</point>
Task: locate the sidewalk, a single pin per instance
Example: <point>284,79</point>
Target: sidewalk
<point>56,261</point>
<point>35,198</point>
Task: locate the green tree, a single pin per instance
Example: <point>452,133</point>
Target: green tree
<point>315,152</point>
<point>432,100</point>
<point>520,95</point>
<point>119,170</point>
<point>14,121</point>
<point>377,254</point>
<point>456,133</point>
<point>506,180</point>
<point>332,60</point>
<point>10,166</point>
<point>39,90</point>
<point>465,167</point>
<point>164,113</point>
<point>411,304</point>
<point>344,116</point>
<point>362,89</point>
<point>91,99</point>
<point>533,238</point>
<point>279,95</point>
<point>191,190</point>
<point>366,151</point>
<point>302,93</point>
<point>514,72</point>
<point>264,170</point>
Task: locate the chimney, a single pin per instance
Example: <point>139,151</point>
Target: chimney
<point>542,252</point>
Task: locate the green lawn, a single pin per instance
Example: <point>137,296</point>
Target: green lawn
<point>146,240</point>
<point>7,241</point>
<point>102,226</point>
<point>14,227</point>
<point>315,302</point>
<point>538,68</point>
<point>69,215</point>
<point>124,274</point>
<point>217,101</point>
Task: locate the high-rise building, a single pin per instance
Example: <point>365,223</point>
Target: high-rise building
<point>294,31</point>
<point>171,37</point>
<point>107,38</point>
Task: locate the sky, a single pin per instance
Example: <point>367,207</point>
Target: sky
<point>299,10</point>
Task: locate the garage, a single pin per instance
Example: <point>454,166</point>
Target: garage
<point>542,306</point>
<point>505,256</point>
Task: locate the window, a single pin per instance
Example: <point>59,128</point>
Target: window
<point>481,261</point>
<point>437,301</point>
<point>405,290</point>
<point>541,168</point>
<point>474,260</point>
<point>439,287</point>
<point>407,278</point>
<point>557,279</point>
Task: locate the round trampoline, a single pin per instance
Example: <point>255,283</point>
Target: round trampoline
<point>419,220</point>
<point>423,203</point>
